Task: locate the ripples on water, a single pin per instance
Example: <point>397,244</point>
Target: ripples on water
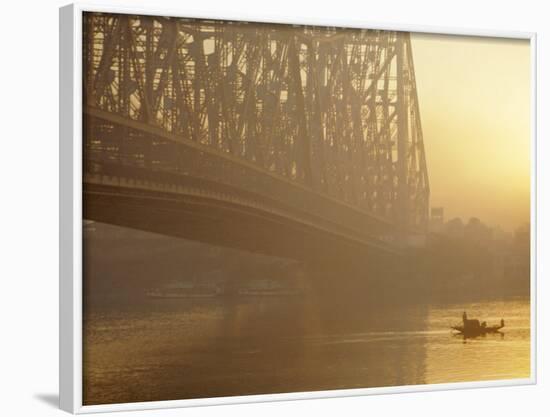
<point>191,348</point>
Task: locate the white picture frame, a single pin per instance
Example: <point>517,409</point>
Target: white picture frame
<point>70,203</point>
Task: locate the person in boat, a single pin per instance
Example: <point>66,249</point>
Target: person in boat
<point>469,324</point>
<point>473,326</point>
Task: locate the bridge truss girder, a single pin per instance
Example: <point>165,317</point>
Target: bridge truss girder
<point>332,109</point>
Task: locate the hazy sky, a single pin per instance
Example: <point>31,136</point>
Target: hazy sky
<point>474,96</point>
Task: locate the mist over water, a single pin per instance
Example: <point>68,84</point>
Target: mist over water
<point>138,348</point>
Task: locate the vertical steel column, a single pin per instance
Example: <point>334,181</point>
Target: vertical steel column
<point>401,211</point>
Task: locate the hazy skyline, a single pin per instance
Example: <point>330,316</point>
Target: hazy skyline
<point>474,96</point>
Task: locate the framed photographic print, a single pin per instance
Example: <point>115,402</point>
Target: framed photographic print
<point>257,209</point>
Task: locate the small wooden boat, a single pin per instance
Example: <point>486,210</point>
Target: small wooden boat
<point>472,327</point>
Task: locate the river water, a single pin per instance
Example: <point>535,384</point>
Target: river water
<point>165,349</point>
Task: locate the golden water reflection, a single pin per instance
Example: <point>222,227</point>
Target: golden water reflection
<point>495,356</point>
<point>177,349</point>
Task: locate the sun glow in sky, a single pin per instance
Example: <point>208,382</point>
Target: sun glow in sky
<point>474,96</point>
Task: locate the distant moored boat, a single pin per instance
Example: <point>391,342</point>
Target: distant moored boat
<point>186,291</point>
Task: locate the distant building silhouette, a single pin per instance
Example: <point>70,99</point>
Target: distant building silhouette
<point>437,220</point>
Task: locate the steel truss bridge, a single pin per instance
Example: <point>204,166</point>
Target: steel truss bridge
<point>283,139</point>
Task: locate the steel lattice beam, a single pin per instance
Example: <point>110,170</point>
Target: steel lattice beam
<point>332,109</point>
